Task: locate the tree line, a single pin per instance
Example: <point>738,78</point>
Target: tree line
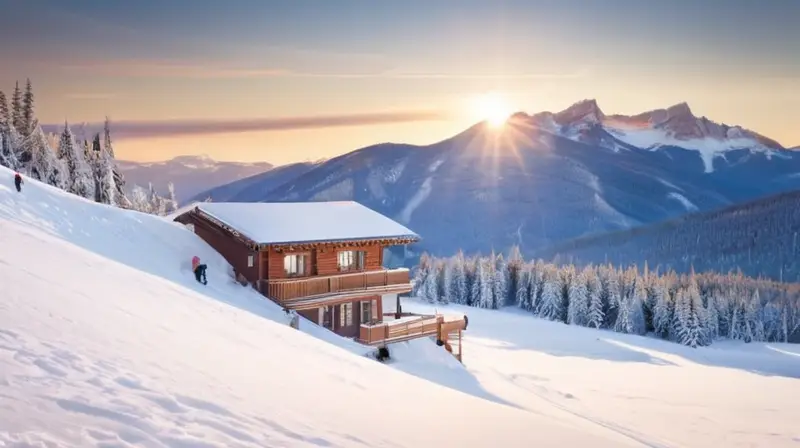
<point>86,167</point>
<point>692,309</point>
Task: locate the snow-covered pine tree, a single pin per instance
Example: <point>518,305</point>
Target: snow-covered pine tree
<point>45,165</point>
<point>430,287</point>
<point>551,294</point>
<point>17,119</point>
<point>28,120</point>
<point>139,200</point>
<point>566,276</point>
<point>483,286</point>
<point>79,176</point>
<point>578,308</point>
<point>500,286</point>
<point>120,198</point>
<point>595,316</point>
<point>515,266</point>
<point>662,311</point>
<point>157,203</point>
<point>458,280</point>
<point>754,324</point>
<point>172,201</point>
<point>630,315</point>
<point>447,281</point>
<point>420,272</point>
<point>523,291</point>
<point>5,113</point>
<point>538,273</point>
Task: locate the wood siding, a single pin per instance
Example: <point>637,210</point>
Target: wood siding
<point>234,251</point>
<point>322,260</point>
<point>287,289</point>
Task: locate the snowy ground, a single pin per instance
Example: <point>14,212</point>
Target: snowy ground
<point>107,340</point>
<point>656,392</point>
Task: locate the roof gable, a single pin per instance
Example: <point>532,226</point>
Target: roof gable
<point>305,222</point>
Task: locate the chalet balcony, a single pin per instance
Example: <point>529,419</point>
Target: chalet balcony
<point>289,291</point>
<point>410,327</point>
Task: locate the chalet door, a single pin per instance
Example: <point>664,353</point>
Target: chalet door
<point>326,317</point>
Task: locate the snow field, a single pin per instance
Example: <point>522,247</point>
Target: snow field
<point>107,340</point>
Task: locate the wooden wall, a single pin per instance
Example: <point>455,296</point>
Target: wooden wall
<point>234,251</point>
<point>322,261</point>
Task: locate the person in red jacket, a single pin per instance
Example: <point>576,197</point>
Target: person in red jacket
<point>199,270</point>
<point>18,181</point>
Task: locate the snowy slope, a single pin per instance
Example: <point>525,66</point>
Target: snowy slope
<point>107,340</point>
<point>653,391</point>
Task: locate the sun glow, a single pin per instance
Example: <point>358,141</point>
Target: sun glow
<point>492,108</point>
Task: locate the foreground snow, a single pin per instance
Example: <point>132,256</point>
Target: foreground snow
<point>656,392</point>
<point>107,340</point>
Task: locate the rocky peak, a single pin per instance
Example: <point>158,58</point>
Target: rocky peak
<point>586,111</point>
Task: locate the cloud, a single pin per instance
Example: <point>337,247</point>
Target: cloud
<point>153,129</point>
<point>156,68</point>
<point>169,69</point>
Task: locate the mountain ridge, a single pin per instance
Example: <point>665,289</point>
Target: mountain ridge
<point>535,184</point>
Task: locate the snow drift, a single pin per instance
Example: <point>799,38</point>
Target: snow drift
<point>107,340</point>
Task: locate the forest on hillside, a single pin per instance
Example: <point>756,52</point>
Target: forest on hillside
<point>692,309</point>
<point>77,164</point>
<point>759,237</point>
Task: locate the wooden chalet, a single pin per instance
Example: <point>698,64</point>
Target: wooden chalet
<point>322,259</point>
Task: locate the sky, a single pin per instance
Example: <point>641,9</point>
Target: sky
<point>283,81</point>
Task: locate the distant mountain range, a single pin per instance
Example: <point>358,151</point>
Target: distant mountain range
<point>762,238</point>
<point>550,177</point>
<point>190,174</point>
<point>253,188</point>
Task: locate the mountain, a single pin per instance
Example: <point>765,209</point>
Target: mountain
<point>107,340</point>
<point>251,188</point>
<point>759,237</point>
<point>551,177</point>
<point>189,174</point>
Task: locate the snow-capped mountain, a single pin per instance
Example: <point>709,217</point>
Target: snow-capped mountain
<point>190,174</point>
<point>549,177</point>
<point>252,188</point>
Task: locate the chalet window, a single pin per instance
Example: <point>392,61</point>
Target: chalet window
<point>346,314</point>
<point>294,264</point>
<point>366,312</point>
<point>249,261</point>
<point>351,260</point>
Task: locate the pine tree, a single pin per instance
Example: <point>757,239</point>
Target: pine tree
<point>119,197</point>
<point>458,280</point>
<point>27,110</point>
<point>79,177</point>
<point>447,281</point>
<point>551,295</point>
<point>500,287</point>
<point>523,291</point>
<point>662,311</point>
<point>515,267</point>
<point>578,308</point>
<point>17,118</point>
<point>45,165</point>
<point>5,113</point>
<point>172,201</point>
<point>630,316</point>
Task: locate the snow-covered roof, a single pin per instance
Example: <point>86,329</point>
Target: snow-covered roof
<point>304,222</point>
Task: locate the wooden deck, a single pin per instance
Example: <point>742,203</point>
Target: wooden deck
<point>408,328</point>
<point>321,288</point>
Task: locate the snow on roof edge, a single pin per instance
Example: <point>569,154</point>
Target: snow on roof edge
<point>197,206</point>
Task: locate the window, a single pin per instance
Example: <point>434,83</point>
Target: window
<point>250,261</point>
<point>294,264</point>
<point>345,314</point>
<point>351,260</point>
<point>366,312</point>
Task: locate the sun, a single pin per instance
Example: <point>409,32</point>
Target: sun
<point>492,108</point>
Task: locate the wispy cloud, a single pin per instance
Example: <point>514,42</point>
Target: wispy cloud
<point>90,96</point>
<point>221,70</point>
<point>173,128</point>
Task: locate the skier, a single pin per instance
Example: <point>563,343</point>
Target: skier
<point>199,270</point>
<point>18,181</point>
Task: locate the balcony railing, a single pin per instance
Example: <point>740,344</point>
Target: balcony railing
<point>401,330</point>
<point>409,327</point>
<point>287,289</point>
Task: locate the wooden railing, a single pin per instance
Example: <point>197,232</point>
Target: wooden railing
<point>292,288</point>
<point>399,331</point>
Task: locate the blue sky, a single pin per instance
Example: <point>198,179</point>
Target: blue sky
<point>204,59</point>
